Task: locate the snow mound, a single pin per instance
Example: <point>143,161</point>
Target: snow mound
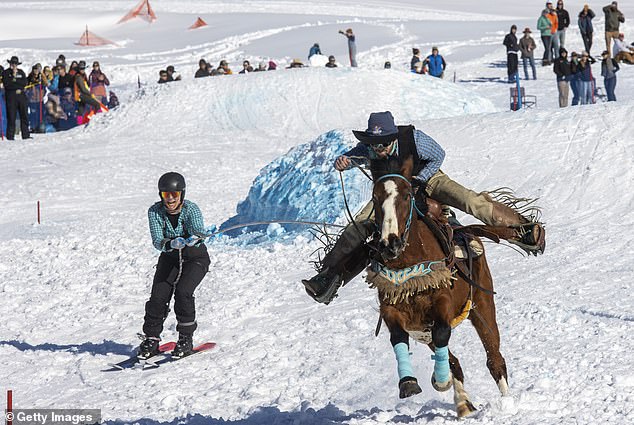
<point>302,186</point>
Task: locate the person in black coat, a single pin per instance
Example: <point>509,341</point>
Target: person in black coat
<point>563,22</point>
<point>563,70</point>
<point>510,41</point>
<point>14,80</point>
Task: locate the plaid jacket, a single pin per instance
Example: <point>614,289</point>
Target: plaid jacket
<point>190,223</point>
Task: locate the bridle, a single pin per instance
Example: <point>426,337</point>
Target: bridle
<point>412,204</point>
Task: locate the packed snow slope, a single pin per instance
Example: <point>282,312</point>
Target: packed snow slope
<point>73,288</point>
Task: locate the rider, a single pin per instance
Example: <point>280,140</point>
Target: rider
<point>177,229</point>
<point>386,146</point>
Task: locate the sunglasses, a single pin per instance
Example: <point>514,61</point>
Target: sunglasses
<point>170,195</point>
<point>381,147</point>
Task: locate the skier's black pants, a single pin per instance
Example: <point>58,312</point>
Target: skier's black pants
<point>16,103</point>
<point>511,65</point>
<point>195,266</point>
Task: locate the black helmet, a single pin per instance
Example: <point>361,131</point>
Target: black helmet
<point>172,182</point>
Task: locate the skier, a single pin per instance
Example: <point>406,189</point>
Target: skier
<point>176,227</point>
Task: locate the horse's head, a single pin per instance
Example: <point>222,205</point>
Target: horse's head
<point>394,206</point>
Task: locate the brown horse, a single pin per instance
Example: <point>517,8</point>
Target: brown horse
<point>421,296</point>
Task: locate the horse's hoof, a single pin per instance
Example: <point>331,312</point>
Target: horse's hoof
<point>408,386</point>
<point>441,386</point>
<point>465,408</point>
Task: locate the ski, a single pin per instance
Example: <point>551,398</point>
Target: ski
<point>133,361</point>
<point>207,346</point>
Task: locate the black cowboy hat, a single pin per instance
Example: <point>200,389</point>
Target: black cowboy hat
<point>14,60</point>
<point>381,129</point>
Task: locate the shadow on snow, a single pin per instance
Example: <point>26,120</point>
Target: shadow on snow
<point>105,347</point>
<point>328,415</point>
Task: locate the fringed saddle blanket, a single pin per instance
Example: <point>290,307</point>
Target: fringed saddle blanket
<point>397,286</point>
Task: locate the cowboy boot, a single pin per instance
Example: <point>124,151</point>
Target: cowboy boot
<point>347,259</point>
<point>528,235</point>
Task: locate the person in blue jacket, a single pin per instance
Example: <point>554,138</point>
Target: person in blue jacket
<point>177,229</point>
<point>315,50</point>
<point>436,63</point>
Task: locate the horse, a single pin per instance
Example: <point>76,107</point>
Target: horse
<point>422,297</point>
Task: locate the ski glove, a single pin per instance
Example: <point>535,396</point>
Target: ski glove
<point>192,240</point>
<point>178,243</point>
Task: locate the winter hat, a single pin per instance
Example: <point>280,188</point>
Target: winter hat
<point>331,58</point>
<point>14,60</point>
<point>170,68</point>
<point>68,90</point>
<point>381,129</point>
<point>527,30</point>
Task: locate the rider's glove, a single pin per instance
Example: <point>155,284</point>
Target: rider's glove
<point>192,240</point>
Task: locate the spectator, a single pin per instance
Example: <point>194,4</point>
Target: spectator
<point>331,62</point>
<point>315,50</point>
<point>272,66</point>
<point>53,85</point>
<point>585,26</point>
<point>72,70</point>
<point>609,68</point>
<point>387,65</point>
<point>545,28</point>
<point>98,82</point>
<point>562,69</point>
<point>171,75</point>
<point>54,113</point>
<point>48,74</point>
<point>68,105</point>
<point>202,69</point>
<point>563,19</point>
<point>554,22</point>
<point>613,17</point>
<point>419,68</point>
<point>527,47</point>
<point>1,72</point>
<point>416,57</point>
<point>14,81</point>
<point>162,76</point>
<point>261,67</point>
<point>224,66</point>
<point>574,77</point>
<point>65,80</point>
<point>246,67</point>
<point>436,63</point>
<point>352,46</point>
<point>113,102</point>
<point>61,61</point>
<point>35,94</point>
<point>623,52</point>
<point>83,97</point>
<point>510,41</point>
<point>296,63</point>
<point>586,80</point>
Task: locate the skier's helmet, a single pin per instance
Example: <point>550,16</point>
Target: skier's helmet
<point>172,182</point>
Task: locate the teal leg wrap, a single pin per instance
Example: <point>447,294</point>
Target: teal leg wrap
<point>404,364</point>
<point>441,365</point>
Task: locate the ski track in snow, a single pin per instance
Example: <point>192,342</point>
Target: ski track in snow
<point>74,287</point>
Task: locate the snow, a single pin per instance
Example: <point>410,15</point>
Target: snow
<point>73,287</point>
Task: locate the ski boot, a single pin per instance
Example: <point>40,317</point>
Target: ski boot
<point>184,346</point>
<point>149,347</point>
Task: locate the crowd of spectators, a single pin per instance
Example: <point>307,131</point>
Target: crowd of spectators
<point>574,72</point>
<point>51,98</point>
